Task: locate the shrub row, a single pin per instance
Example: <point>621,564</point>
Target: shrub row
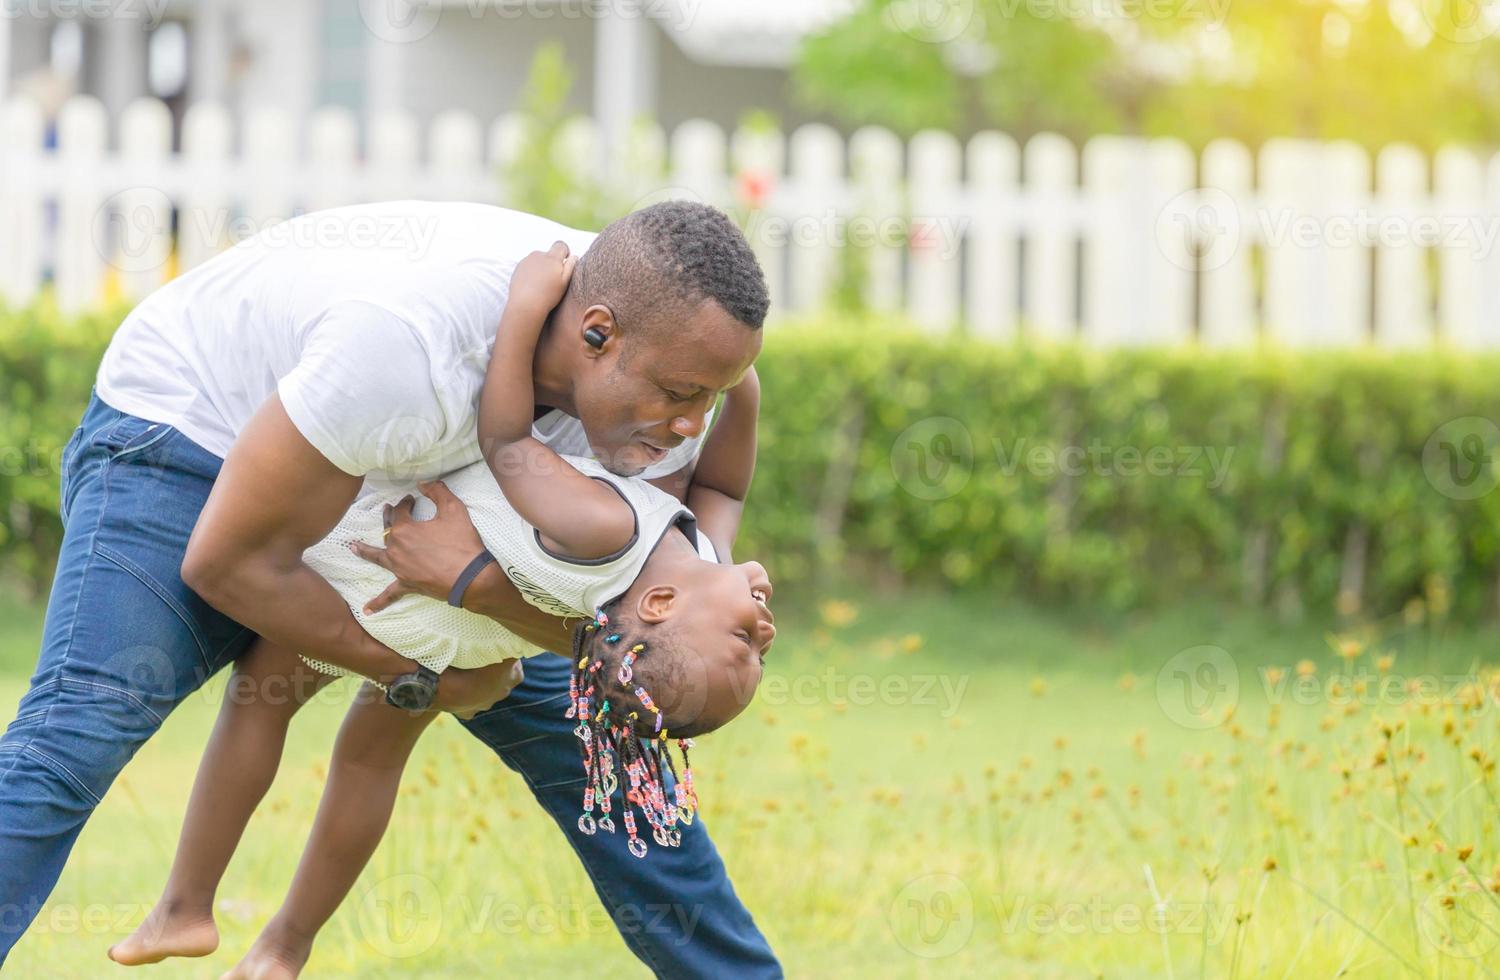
<point>1355,481</point>
<point>47,366</point>
<point>1351,481</point>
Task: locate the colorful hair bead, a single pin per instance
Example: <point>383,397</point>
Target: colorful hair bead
<point>616,755</point>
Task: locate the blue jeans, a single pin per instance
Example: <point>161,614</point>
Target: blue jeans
<point>126,641</point>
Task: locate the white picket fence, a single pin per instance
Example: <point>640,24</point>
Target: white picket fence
<point>1126,242</point>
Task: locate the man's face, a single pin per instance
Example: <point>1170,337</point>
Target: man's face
<point>648,391</point>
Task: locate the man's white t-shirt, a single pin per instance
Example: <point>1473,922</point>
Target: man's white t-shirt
<point>374,324</point>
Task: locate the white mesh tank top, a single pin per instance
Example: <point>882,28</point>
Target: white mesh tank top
<point>438,635</point>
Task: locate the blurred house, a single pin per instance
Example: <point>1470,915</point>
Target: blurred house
<point>669,59</point>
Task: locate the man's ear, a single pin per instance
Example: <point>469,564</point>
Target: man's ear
<point>597,331</point>
<point>656,604</point>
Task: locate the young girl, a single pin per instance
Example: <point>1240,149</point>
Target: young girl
<point>670,643</point>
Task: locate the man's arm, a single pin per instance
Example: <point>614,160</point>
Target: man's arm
<point>427,557</point>
<point>721,480</point>
<point>275,496</point>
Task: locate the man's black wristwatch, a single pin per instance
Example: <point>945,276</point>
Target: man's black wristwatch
<point>414,691</point>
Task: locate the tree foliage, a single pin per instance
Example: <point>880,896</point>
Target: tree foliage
<point>1373,71</point>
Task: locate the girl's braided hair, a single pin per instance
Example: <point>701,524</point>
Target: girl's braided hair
<point>624,738</point>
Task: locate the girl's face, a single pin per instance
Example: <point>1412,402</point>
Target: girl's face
<point>722,615</point>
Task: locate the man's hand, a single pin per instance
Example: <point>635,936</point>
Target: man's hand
<point>465,693</point>
<point>540,280</point>
<point>425,556</point>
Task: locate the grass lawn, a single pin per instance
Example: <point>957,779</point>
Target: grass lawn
<point>927,786</point>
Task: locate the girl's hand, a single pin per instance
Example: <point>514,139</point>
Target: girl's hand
<point>425,556</point>
<point>540,280</point>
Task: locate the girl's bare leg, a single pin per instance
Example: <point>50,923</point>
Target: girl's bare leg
<point>372,748</point>
<point>267,687</point>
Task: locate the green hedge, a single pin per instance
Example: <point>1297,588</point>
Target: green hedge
<point>47,366</point>
<point>1325,502</point>
<point>1291,480</point>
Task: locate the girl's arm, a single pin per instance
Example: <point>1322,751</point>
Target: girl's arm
<point>721,480</point>
<point>576,515</point>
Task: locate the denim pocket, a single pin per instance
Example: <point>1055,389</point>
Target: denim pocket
<point>132,435</point>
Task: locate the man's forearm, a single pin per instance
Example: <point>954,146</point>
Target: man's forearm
<point>493,595</point>
<point>297,608</point>
<point>718,517</point>
<point>727,464</point>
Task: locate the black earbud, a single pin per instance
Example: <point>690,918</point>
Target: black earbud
<point>594,337</point>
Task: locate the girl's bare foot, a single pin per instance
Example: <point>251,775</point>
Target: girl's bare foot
<point>167,931</point>
<point>270,958</point>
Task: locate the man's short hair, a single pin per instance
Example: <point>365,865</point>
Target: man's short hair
<point>655,265</point>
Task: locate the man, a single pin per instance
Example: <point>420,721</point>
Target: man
<point>240,410</point>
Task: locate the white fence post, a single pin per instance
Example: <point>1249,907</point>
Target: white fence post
<point>332,152</point>
<point>1458,177</point>
<point>1051,242</point>
<point>1346,181</point>
<point>21,201</point>
<point>1402,300</point>
<point>698,163</point>
<point>759,156</point>
<point>993,266</point>
<point>1112,281</point>
<point>203,215</point>
<point>644,166</point>
<point>937,228</point>
<point>1286,167</point>
<point>1317,267</point>
<point>1489,254</point>
<point>271,154</point>
<point>455,156</point>
<point>813,213</point>
<point>139,245</point>
<point>1138,275</point>
<point>1221,222</point>
<point>579,141</point>
<point>1169,281</point>
<point>875,172</point>
<point>394,146</point>
<point>503,146</point>
<point>79,268</point>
